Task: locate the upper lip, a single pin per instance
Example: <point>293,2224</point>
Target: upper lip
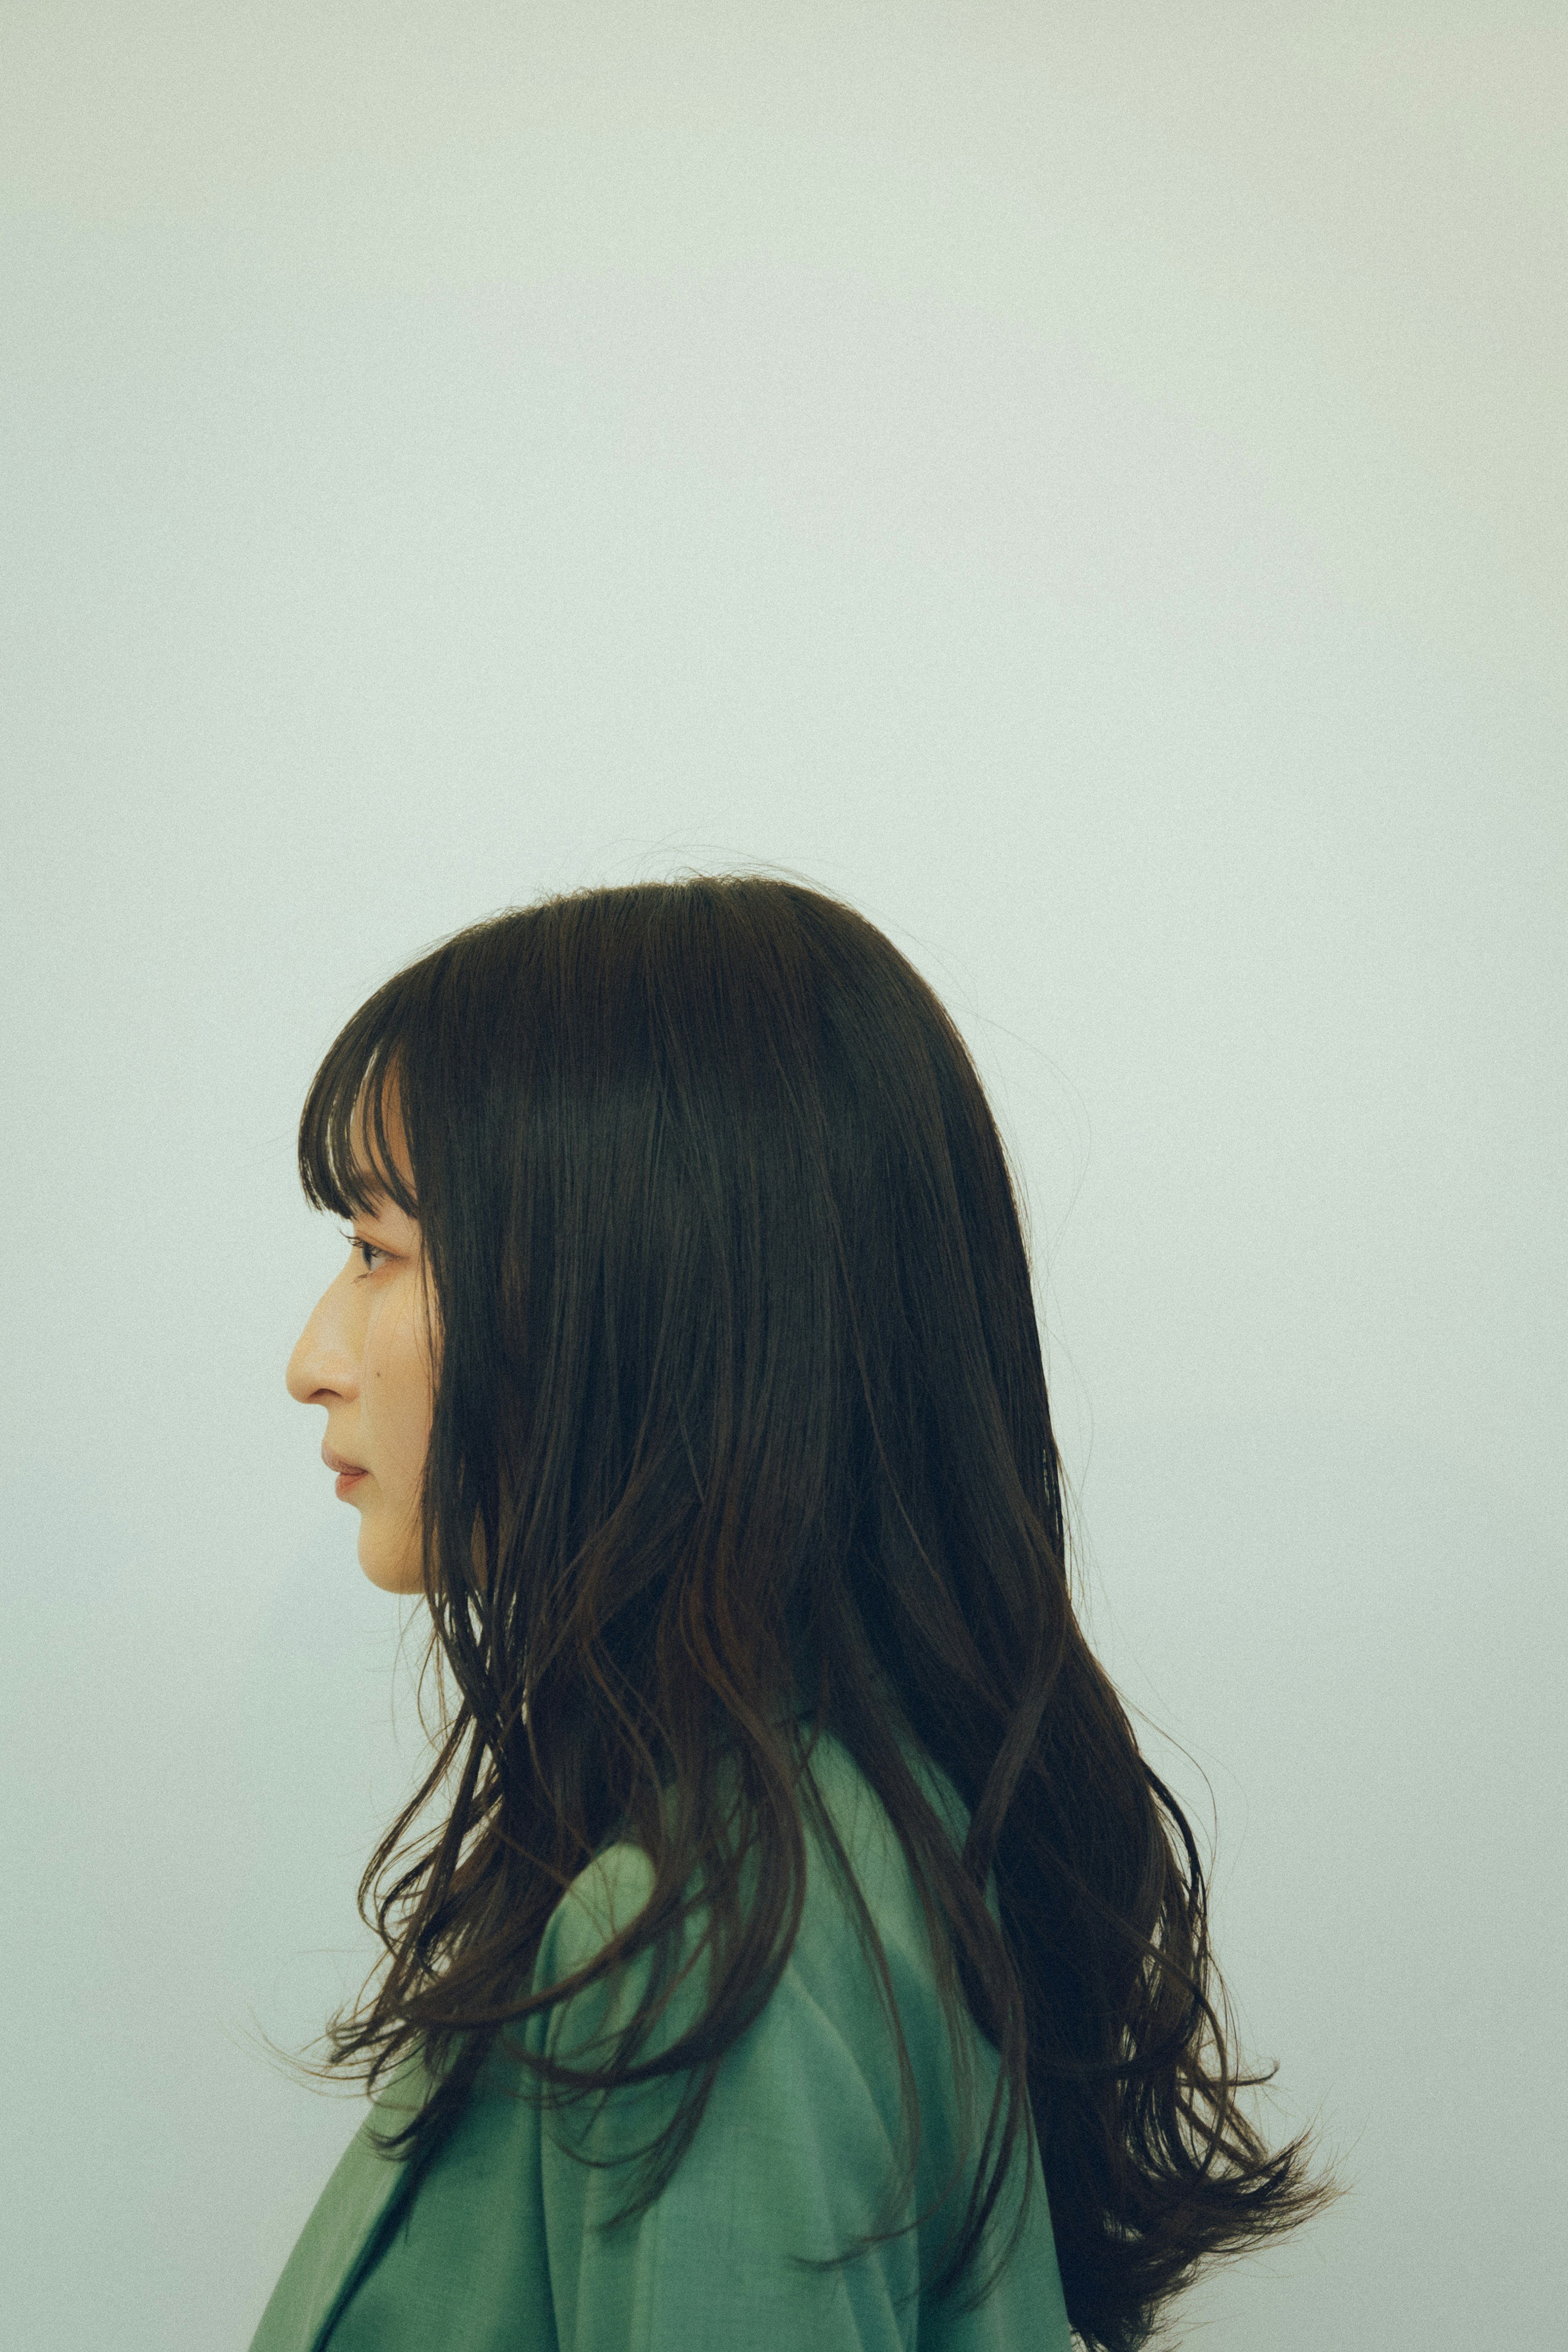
<point>339,1461</point>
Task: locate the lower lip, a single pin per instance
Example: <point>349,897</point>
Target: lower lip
<point>349,1480</point>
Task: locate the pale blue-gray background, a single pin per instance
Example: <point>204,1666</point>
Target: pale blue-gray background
<point>1087,484</point>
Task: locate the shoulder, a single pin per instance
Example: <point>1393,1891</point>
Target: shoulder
<point>602,1900</point>
<point>612,1890</point>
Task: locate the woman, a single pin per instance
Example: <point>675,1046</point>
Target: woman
<point>687,1362</point>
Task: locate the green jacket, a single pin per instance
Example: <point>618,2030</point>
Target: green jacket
<point>793,2155</point>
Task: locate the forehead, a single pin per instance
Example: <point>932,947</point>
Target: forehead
<point>370,1166</point>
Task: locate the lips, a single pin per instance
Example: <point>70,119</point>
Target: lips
<point>339,1462</point>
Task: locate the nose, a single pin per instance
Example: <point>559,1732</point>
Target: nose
<point>321,1365</point>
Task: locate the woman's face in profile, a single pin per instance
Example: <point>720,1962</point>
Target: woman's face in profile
<point>365,1355</point>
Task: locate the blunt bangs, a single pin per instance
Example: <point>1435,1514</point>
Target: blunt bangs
<point>364,1062</point>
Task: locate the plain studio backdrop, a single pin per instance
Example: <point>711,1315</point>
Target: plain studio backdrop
<point>1085,484</point>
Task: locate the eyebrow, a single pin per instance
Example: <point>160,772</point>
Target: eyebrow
<point>381,1204</point>
<point>361,1167</point>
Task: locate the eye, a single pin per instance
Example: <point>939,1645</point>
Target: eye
<point>368,1250</point>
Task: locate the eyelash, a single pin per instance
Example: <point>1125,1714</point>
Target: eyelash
<point>355,1243</point>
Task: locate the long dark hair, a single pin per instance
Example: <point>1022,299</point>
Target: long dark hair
<point>740,1395</point>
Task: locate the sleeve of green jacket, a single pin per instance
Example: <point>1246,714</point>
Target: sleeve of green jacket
<point>790,2158</point>
<point>501,2248</point>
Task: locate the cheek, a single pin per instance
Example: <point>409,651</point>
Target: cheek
<point>397,1372</point>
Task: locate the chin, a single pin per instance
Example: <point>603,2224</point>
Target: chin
<point>392,1575</point>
